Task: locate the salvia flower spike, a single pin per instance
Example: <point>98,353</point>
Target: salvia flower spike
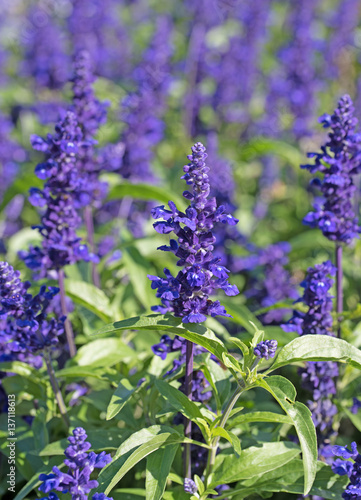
<point>80,463</point>
<point>187,294</point>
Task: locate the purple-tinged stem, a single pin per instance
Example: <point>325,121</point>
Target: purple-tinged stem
<point>56,388</point>
<point>88,217</point>
<point>68,328</point>
<point>339,290</point>
<point>188,423</point>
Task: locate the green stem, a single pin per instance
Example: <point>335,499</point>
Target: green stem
<point>56,388</point>
<point>222,423</point>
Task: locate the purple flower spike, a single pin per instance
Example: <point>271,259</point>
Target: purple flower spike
<point>187,294</point>
<point>338,162</point>
<point>266,349</point>
<point>81,464</point>
<point>60,245</point>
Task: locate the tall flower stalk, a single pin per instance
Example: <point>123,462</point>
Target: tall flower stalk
<point>187,294</point>
<point>61,245</point>
<point>338,162</point>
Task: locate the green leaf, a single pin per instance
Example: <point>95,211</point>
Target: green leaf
<point>39,429</point>
<point>231,438</point>
<point>219,380</point>
<point>355,418</point>
<point>137,268</point>
<point>195,333</point>
<point>264,146</point>
<point>104,352</point>
<point>285,393</point>
<point>241,345</point>
<point>317,348</point>
<point>101,439</point>
<point>181,403</point>
<point>126,449</point>
<point>120,397</point>
<point>289,479</point>
<point>241,315</point>
<point>260,416</point>
<point>90,297</point>
<point>199,483</point>
<point>80,371</point>
<point>254,461</point>
<point>19,368</point>
<point>158,467</point>
<point>141,452</point>
<point>144,192</point>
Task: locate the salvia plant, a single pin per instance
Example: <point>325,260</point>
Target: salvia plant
<point>180,331</point>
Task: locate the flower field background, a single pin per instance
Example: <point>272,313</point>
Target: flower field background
<point>180,275</point>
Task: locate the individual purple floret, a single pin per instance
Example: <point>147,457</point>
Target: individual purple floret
<point>266,349</point>
<point>60,244</point>
<point>26,328</point>
<point>45,57</point>
<point>350,468</point>
<point>190,486</point>
<point>270,282</point>
<point>187,294</point>
<point>80,463</point>
<point>318,377</point>
<point>338,162</point>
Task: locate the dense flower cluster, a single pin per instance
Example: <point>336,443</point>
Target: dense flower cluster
<point>187,294</point>
<point>266,349</point>
<point>81,464</point>
<point>338,162</point>
<point>60,244</point>
<point>344,466</point>
<point>26,328</point>
<point>270,282</point>
<point>318,377</point>
<point>90,114</point>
